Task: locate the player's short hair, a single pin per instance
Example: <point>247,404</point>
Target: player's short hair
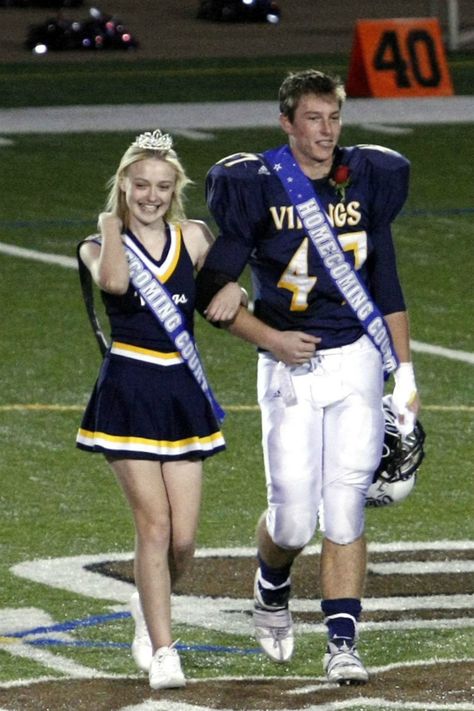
<point>308,81</point>
<point>116,202</point>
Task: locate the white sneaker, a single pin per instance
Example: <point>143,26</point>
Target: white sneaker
<point>273,629</point>
<point>343,665</point>
<point>142,651</point>
<point>165,669</point>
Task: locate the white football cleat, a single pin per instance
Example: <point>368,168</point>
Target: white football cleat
<point>165,669</point>
<point>343,665</point>
<point>274,633</point>
<point>273,628</point>
<point>142,651</point>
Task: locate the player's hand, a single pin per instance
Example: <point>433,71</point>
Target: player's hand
<point>226,303</point>
<point>295,347</point>
<point>405,399</point>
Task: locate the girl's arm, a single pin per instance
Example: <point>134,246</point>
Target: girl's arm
<point>107,262</point>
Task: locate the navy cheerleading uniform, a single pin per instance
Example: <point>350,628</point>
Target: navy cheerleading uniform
<point>146,403</point>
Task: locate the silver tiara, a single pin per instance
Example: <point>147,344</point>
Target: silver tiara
<point>156,141</point>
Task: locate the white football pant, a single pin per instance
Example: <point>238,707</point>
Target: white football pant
<point>322,437</point>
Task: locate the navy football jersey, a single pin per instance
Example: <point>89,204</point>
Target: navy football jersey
<point>259,225</point>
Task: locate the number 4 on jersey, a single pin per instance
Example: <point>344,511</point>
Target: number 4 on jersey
<point>296,279</point>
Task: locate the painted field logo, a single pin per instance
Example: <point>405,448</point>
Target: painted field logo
<point>410,588</point>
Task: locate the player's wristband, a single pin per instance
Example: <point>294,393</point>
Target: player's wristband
<point>405,384</point>
<point>403,396</point>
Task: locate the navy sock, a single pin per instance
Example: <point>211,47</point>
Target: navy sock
<point>276,588</point>
<point>341,616</point>
<point>274,576</point>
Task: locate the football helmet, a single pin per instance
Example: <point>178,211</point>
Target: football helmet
<point>396,474</point>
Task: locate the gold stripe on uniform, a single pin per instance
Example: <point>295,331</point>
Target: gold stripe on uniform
<point>175,251</point>
<point>145,354</point>
<point>142,444</point>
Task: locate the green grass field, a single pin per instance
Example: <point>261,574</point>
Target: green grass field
<point>57,501</point>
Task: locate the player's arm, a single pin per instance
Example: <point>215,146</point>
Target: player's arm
<point>390,178</point>
<point>233,195</point>
<point>388,296</point>
<point>199,239</point>
<point>290,347</point>
<point>224,305</point>
<point>399,330</point>
<point>106,261</point>
<point>405,398</point>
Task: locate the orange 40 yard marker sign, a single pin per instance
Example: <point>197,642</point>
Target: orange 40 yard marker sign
<point>398,58</point>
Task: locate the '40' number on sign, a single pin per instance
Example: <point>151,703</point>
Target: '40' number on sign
<point>414,54</point>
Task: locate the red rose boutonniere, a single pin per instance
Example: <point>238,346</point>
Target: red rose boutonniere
<point>340,179</point>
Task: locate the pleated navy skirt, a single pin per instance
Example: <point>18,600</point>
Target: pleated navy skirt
<point>147,405</point>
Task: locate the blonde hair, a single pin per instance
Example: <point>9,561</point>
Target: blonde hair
<point>116,202</point>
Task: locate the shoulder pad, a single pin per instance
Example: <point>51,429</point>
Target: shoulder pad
<point>244,165</point>
<point>381,157</point>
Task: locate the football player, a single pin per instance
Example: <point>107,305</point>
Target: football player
<point>313,221</point>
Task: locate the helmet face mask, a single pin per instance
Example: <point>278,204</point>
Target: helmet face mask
<point>395,477</point>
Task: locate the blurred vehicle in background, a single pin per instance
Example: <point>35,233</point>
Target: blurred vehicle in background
<point>41,3</point>
<point>239,11</point>
<point>97,32</point>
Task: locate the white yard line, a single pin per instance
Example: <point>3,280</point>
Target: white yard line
<point>14,251</point>
<point>450,353</point>
<point>226,114</point>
